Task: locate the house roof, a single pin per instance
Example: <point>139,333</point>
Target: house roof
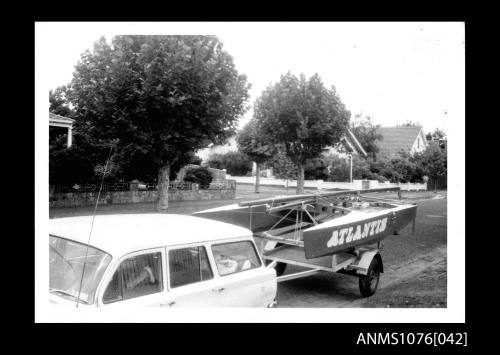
<point>396,139</point>
<point>60,121</point>
<point>53,116</point>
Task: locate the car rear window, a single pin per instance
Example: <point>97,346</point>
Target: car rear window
<point>235,257</point>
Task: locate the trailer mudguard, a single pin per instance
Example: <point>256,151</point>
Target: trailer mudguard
<point>365,260</point>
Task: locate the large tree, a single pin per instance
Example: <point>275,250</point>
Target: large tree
<point>302,115</point>
<point>254,143</point>
<point>161,96</point>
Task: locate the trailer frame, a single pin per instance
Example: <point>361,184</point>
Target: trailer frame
<point>283,244</point>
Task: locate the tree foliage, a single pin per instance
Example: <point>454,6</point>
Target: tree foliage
<point>161,96</point>
<point>433,161</point>
<point>316,168</point>
<point>302,115</point>
<point>338,168</point>
<point>283,167</point>
<point>58,103</point>
<point>68,166</point>
<point>366,133</point>
<point>253,142</point>
<point>438,136</point>
<point>235,163</point>
<point>199,175</point>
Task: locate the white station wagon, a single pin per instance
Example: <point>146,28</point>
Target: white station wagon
<point>156,260</point>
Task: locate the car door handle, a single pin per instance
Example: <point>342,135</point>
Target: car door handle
<point>168,303</point>
<point>218,289</point>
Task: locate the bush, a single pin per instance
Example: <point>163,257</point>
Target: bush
<point>315,169</point>
<point>338,168</point>
<point>68,166</point>
<point>199,176</point>
<point>235,163</point>
<point>362,168</point>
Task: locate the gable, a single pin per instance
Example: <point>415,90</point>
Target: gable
<point>397,139</point>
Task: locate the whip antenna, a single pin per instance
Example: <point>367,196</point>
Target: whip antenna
<point>93,217</point>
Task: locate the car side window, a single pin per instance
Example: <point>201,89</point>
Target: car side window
<point>235,257</point>
<point>136,276</point>
<point>188,265</point>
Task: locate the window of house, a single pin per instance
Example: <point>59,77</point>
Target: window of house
<point>235,257</point>
<point>136,276</point>
<point>188,265</point>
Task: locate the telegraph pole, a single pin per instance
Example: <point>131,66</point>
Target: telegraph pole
<point>350,157</point>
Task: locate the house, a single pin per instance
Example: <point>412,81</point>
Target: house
<point>347,147</point>
<point>408,139</point>
<point>61,122</point>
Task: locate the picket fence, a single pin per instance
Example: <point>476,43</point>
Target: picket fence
<point>320,184</point>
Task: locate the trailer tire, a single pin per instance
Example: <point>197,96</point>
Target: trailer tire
<point>368,283</point>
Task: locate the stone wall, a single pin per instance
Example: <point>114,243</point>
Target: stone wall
<point>76,199</point>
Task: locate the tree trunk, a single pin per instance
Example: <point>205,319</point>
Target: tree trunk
<point>300,179</point>
<point>435,186</point>
<point>163,182</point>
<point>257,178</point>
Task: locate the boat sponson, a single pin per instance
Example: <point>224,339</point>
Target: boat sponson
<point>335,236</point>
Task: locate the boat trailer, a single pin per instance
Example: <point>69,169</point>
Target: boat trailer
<point>324,231</point>
<point>285,246</point>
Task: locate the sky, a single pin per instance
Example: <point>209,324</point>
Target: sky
<point>392,72</point>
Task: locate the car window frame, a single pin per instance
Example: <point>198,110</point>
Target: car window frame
<point>251,241</point>
<point>186,246</point>
<point>113,267</point>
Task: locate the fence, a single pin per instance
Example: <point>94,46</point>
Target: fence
<point>441,183</point>
<point>320,184</point>
<point>149,186</point>
<point>85,195</point>
<point>91,187</point>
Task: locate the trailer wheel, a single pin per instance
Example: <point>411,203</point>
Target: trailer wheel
<point>368,283</point>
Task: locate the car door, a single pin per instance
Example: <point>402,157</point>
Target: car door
<point>191,278</point>
<point>242,279</point>
<point>138,279</point>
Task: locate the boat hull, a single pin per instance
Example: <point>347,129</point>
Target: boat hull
<point>356,229</point>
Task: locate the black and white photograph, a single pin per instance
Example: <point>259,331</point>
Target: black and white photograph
<point>250,172</point>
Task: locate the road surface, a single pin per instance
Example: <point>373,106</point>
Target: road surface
<point>415,271</point>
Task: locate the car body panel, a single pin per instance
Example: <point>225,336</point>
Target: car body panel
<point>255,287</point>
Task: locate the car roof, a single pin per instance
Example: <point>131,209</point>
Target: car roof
<point>118,234</point>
